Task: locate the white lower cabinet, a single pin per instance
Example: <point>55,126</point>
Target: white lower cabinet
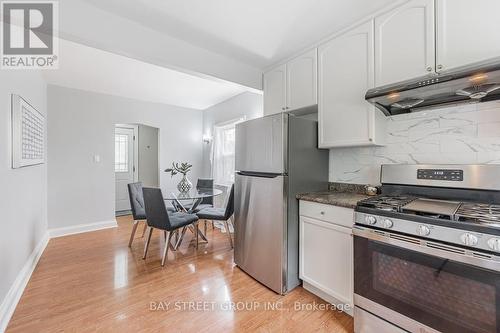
<point>326,252</point>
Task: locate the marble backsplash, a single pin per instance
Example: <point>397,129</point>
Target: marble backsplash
<point>464,134</point>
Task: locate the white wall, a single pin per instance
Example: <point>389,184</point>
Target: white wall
<point>249,105</point>
<point>23,198</point>
<point>466,134</point>
<point>81,125</point>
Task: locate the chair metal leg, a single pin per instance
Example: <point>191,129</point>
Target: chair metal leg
<point>228,233</point>
<point>165,251</point>
<point>205,227</point>
<point>197,232</point>
<point>134,228</point>
<point>173,236</point>
<point>144,230</point>
<point>148,240</point>
<point>202,235</point>
<point>179,241</point>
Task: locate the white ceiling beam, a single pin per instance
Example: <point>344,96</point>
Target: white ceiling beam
<point>88,25</point>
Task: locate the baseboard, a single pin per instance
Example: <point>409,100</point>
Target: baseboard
<point>326,297</point>
<point>80,228</point>
<point>10,301</point>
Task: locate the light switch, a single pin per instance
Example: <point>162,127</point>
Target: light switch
<point>97,159</point>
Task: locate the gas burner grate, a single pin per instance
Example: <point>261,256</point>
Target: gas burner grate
<point>386,202</point>
<point>478,212</point>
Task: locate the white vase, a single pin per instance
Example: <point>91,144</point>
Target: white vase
<point>184,185</point>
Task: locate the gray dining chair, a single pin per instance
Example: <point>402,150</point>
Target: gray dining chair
<point>160,218</point>
<point>137,207</point>
<point>220,214</point>
<point>205,202</point>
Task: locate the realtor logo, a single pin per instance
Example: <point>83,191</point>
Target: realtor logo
<point>28,35</point>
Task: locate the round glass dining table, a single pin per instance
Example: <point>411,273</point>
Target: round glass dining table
<point>192,194</point>
<point>196,195</point>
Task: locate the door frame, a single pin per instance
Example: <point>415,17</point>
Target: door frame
<point>135,162</point>
<point>136,147</point>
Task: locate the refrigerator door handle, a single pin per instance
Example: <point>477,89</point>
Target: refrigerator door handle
<point>259,174</point>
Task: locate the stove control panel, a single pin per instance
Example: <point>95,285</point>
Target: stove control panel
<point>423,230</point>
<point>371,220</point>
<point>494,244</point>
<point>441,174</point>
<point>387,223</point>
<point>468,239</point>
<point>438,233</point>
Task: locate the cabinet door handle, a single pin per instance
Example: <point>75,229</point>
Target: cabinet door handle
<point>429,69</point>
<point>322,213</point>
<point>439,67</point>
<point>283,108</point>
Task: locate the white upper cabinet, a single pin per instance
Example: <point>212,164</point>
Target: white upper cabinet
<point>292,85</point>
<point>467,31</point>
<point>301,78</point>
<point>405,42</point>
<point>275,90</point>
<point>346,72</point>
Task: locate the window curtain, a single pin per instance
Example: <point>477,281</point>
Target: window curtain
<point>223,165</point>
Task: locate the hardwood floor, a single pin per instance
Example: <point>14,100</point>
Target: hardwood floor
<point>93,282</point>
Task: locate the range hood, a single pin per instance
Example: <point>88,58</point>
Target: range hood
<point>479,82</point>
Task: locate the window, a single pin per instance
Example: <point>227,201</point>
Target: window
<point>121,153</point>
<point>224,152</point>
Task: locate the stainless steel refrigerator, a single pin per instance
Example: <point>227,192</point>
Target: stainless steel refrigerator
<point>276,158</point>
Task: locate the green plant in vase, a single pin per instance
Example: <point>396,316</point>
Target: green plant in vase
<point>183,168</point>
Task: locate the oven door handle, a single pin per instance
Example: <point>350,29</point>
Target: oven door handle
<point>480,259</point>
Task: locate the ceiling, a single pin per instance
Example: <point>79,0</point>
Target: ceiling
<point>91,69</point>
<point>258,32</point>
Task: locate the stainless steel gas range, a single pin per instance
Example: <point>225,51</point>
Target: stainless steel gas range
<point>427,251</point>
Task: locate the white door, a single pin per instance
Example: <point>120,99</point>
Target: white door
<point>124,166</point>
<point>275,90</point>
<point>404,42</point>
<point>345,74</point>
<point>467,31</point>
<point>326,258</point>
<point>301,78</point>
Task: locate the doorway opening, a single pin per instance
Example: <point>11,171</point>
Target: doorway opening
<point>136,160</point>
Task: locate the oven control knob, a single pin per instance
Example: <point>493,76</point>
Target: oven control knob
<point>371,220</point>
<point>387,223</point>
<point>469,239</point>
<point>494,244</point>
<point>423,230</point>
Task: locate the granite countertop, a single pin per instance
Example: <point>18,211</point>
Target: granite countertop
<point>343,196</point>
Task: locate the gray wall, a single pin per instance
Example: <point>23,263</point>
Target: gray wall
<point>23,198</point>
<point>466,134</point>
<point>249,105</point>
<point>81,125</point>
<point>148,155</point>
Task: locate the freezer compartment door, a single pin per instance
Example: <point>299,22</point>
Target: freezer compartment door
<point>261,144</point>
<point>260,222</point>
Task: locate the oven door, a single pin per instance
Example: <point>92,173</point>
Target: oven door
<point>423,286</point>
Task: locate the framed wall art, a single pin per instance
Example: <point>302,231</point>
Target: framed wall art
<point>28,134</point>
